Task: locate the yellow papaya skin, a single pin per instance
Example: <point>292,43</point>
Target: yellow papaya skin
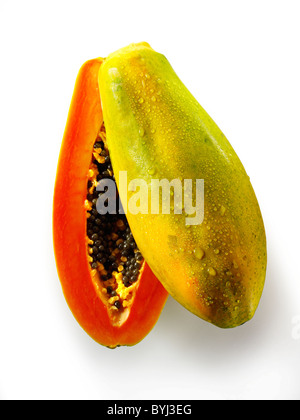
<point>156,129</point>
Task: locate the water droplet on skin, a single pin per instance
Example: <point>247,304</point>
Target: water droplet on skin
<point>211,271</point>
<point>199,253</point>
<point>217,251</point>
<point>141,100</point>
<point>151,171</point>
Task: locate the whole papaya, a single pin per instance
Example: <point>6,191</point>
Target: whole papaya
<point>156,130</point>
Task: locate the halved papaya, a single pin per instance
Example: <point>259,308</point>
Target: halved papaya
<point>108,286</point>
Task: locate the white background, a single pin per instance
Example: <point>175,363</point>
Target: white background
<point>241,61</point>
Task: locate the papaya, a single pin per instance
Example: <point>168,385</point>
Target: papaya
<point>110,289</point>
<point>213,262</point>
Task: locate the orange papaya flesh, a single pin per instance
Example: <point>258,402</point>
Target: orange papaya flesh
<point>108,286</point>
<point>157,129</point>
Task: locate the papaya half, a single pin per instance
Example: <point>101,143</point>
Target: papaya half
<point>213,264</point>
<point>107,284</point>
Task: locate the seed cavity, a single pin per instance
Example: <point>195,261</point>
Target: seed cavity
<point>112,250</point>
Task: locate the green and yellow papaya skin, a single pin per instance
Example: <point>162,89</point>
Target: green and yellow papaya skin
<point>157,130</point>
